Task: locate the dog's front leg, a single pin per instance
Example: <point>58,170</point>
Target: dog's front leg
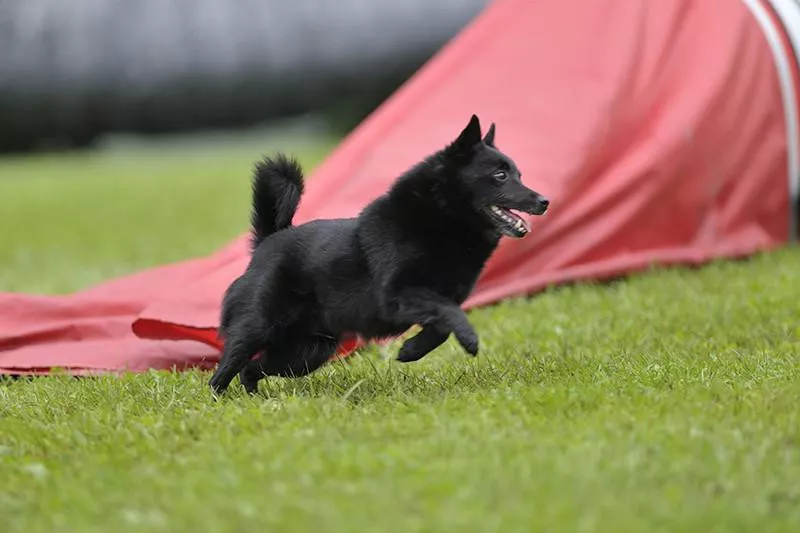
<point>428,309</point>
<point>422,344</point>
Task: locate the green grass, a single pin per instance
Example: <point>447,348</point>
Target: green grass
<point>668,402</point>
<point>71,220</point>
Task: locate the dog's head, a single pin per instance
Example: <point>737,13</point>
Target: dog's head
<point>491,181</point>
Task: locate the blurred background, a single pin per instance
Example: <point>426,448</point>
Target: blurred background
<point>72,72</point>
<point>128,129</point>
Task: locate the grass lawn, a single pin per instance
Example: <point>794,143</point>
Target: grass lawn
<point>668,402</point>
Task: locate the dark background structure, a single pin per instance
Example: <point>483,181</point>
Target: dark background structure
<point>73,70</point>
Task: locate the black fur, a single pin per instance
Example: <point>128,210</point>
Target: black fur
<point>277,187</point>
<point>412,256</point>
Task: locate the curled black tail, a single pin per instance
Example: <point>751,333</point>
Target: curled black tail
<point>277,187</point>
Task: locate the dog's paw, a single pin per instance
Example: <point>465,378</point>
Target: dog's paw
<point>249,378</point>
<point>217,387</point>
<point>472,348</point>
<point>469,341</point>
<point>407,354</point>
<point>250,387</point>
<point>410,351</point>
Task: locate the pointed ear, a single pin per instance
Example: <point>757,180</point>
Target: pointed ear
<point>469,137</point>
<point>489,139</point>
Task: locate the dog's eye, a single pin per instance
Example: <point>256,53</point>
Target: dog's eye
<point>500,175</point>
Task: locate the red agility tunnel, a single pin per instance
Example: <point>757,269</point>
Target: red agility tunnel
<point>663,133</point>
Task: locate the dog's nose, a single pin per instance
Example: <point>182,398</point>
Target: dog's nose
<point>544,201</point>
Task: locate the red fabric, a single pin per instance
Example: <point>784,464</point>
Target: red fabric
<point>656,129</point>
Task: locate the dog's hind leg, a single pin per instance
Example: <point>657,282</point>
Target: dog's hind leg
<point>240,345</point>
<point>296,356</point>
<point>422,344</point>
<point>250,375</point>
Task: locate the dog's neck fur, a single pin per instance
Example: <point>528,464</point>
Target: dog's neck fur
<point>430,191</point>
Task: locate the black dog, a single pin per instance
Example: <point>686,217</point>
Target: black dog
<point>412,256</point>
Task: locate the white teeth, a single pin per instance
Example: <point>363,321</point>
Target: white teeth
<point>509,219</point>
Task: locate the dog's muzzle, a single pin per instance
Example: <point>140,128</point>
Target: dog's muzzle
<point>510,223</point>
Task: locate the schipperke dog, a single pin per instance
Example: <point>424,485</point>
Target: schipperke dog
<point>411,257</point>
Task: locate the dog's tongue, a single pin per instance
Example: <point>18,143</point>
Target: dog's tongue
<point>524,224</point>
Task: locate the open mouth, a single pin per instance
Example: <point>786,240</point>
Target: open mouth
<point>507,222</point>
